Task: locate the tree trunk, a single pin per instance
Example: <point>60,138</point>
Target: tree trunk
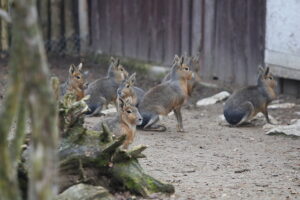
<point>4,28</point>
<point>28,53</point>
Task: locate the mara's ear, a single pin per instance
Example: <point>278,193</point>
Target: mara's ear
<point>132,79</point>
<point>181,60</point>
<point>117,62</point>
<point>72,69</point>
<point>196,58</point>
<point>112,59</point>
<point>261,70</point>
<point>79,67</point>
<point>127,102</point>
<point>122,103</point>
<point>176,59</point>
<point>267,71</point>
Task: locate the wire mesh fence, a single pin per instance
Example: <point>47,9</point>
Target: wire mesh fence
<point>62,46</point>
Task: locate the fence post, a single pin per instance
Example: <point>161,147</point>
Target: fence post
<point>69,27</point>
<point>55,26</point>
<point>83,25</point>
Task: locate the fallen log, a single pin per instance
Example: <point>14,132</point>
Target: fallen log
<point>95,157</point>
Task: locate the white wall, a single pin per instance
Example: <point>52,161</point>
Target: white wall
<point>282,51</point>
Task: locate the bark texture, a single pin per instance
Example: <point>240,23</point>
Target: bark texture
<point>29,90</point>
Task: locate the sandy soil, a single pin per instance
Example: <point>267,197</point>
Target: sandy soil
<point>212,160</point>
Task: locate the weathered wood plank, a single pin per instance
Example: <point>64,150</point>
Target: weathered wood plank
<point>95,30</point>
<point>143,30</point>
<point>186,26</point>
<point>83,25</point>
<point>69,23</point>
<point>115,16</point>
<point>196,26</point>
<point>56,21</point>
<point>209,35</point>
<point>129,29</point>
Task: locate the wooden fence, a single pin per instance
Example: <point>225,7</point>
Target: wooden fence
<point>234,38</point>
<point>152,30</point>
<point>228,33</point>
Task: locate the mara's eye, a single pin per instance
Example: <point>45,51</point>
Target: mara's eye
<point>186,68</point>
<point>129,111</point>
<point>127,86</point>
<point>121,69</point>
<point>78,77</point>
<point>270,78</point>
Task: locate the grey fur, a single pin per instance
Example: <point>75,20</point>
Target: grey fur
<point>244,104</point>
<point>103,91</point>
<point>127,88</point>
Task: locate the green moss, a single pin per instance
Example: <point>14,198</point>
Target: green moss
<point>134,179</point>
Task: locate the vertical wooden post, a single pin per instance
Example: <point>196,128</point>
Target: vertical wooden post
<point>83,25</point>
<point>55,7</point>
<point>69,26</point>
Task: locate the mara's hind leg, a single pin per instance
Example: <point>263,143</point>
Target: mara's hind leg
<point>178,116</point>
<point>249,112</point>
<point>96,112</point>
<point>152,126</point>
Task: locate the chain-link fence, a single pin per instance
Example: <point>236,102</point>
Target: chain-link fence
<point>69,46</point>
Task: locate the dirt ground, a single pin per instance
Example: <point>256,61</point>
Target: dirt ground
<point>212,160</point>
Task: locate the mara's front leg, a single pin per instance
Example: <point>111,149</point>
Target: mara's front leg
<point>178,116</point>
<point>266,114</point>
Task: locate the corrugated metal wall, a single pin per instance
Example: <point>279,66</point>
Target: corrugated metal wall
<point>229,33</point>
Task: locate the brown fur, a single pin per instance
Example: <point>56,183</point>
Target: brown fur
<point>125,122</point>
<point>193,63</point>
<point>166,97</point>
<point>75,83</point>
<point>128,92</point>
<point>244,104</point>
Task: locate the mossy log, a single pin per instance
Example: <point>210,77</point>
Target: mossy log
<point>84,154</point>
<point>95,157</point>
